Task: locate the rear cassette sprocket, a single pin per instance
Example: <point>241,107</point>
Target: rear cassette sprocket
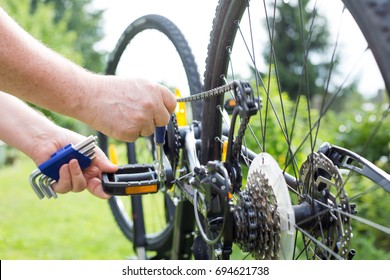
<point>257,219</point>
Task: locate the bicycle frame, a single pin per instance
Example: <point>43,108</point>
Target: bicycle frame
<point>208,189</point>
<point>210,175</point>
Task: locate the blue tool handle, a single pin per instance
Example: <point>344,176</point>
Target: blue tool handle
<point>159,135</point>
<point>51,167</point>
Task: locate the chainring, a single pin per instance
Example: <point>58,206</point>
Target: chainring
<point>172,143</point>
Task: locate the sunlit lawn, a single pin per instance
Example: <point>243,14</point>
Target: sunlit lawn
<point>74,226</point>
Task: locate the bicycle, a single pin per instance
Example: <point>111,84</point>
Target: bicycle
<point>295,203</point>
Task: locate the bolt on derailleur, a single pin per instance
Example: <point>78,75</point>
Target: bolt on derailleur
<point>213,184</point>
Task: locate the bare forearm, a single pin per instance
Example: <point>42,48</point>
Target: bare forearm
<point>34,73</point>
<point>35,135</point>
<point>21,126</point>
<point>123,108</point>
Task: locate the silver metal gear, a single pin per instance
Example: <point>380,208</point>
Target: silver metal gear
<point>257,219</point>
<point>323,183</point>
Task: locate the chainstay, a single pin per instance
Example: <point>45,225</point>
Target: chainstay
<point>207,94</point>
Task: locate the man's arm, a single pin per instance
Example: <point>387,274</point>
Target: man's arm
<point>24,128</point>
<point>119,107</point>
<point>32,133</point>
<point>35,73</point>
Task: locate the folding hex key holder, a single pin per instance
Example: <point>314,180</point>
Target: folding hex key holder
<point>47,173</point>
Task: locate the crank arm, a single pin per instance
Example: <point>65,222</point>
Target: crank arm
<point>346,159</point>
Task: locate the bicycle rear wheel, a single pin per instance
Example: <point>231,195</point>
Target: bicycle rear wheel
<point>292,126</point>
<point>143,49</point>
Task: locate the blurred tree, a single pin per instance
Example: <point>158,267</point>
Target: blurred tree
<point>300,37</point>
<point>81,18</point>
<point>365,128</point>
<point>56,36</point>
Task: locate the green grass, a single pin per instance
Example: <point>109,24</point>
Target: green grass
<point>79,226</point>
<point>74,226</point>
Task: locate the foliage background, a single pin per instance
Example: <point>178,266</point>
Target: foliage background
<point>79,226</point>
<point>75,226</point>
<point>71,28</point>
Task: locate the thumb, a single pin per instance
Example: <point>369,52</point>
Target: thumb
<point>95,188</point>
<point>103,163</point>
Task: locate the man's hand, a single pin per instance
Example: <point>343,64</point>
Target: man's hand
<point>128,108</point>
<point>72,178</point>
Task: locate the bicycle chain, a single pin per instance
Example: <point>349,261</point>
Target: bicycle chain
<point>207,94</point>
<point>257,219</point>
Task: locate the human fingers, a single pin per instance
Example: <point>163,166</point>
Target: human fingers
<point>71,178</point>
<point>163,113</point>
<point>95,188</point>
<point>93,174</point>
<point>78,180</point>
<point>103,163</point>
<point>147,129</point>
<point>64,184</point>
<point>169,99</point>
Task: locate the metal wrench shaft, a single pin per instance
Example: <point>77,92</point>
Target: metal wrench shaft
<point>159,139</point>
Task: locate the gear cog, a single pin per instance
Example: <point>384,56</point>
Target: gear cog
<point>257,219</point>
<point>172,146</point>
<point>264,215</point>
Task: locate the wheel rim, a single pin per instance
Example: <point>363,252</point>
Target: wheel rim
<point>144,45</point>
<point>289,118</point>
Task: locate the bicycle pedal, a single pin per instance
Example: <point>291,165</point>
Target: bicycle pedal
<point>47,173</point>
<point>131,179</point>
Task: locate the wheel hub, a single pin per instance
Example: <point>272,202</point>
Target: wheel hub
<point>323,185</point>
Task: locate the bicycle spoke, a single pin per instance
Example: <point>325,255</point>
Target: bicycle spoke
<point>324,109</point>
<point>269,102</point>
<point>372,224</point>
<point>153,228</point>
<point>290,127</point>
<point>319,244</point>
